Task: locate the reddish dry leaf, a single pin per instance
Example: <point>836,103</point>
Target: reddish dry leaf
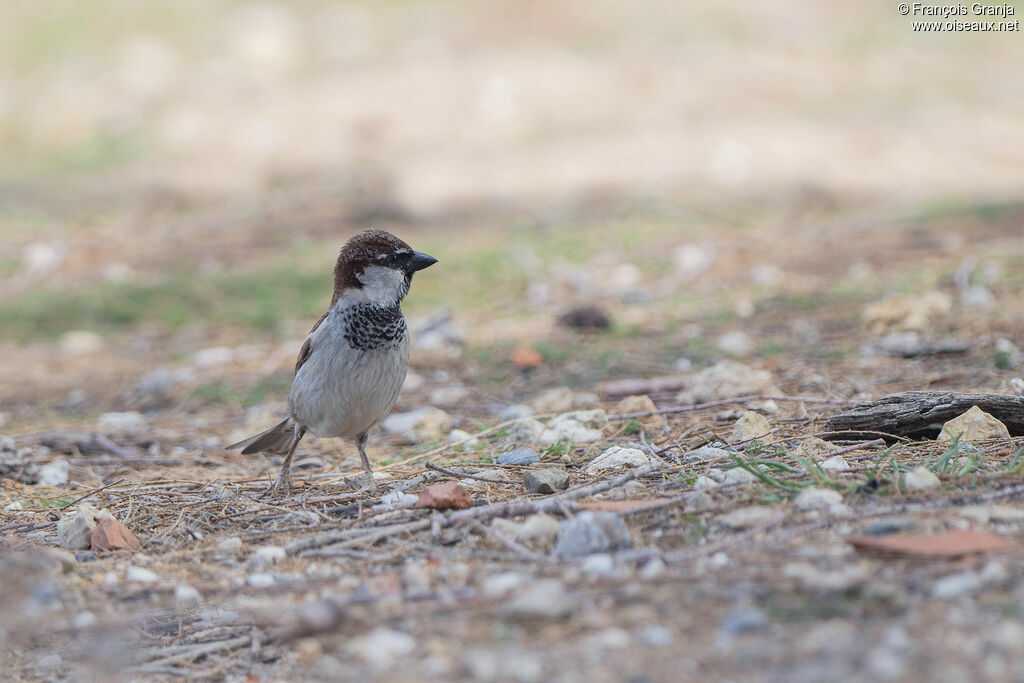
<point>945,544</point>
<point>110,534</point>
<point>448,495</point>
<point>527,357</point>
<point>619,505</point>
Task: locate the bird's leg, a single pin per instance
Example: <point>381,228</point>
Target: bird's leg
<point>283,483</point>
<point>361,445</point>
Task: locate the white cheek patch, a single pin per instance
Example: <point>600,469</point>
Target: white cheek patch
<point>382,285</point>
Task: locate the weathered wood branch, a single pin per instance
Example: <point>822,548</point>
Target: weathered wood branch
<point>920,414</point>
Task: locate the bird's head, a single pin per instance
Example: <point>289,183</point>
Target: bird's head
<point>376,267</point>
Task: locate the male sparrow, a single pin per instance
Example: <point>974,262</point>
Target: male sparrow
<point>354,360</point>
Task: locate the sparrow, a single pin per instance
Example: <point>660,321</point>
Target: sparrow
<point>353,362</point>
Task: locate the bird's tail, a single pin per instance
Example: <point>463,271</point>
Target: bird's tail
<point>277,439</point>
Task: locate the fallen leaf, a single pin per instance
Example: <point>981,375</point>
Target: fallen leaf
<point>448,495</point>
<point>110,534</point>
<point>619,505</point>
<point>527,357</point>
<point>945,544</point>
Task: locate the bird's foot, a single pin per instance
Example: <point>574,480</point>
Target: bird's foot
<point>281,487</point>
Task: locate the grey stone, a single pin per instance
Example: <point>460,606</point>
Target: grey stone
<point>593,531</point>
<point>656,636</point>
<point>743,620</point>
<point>814,498</point>
<point>955,585</point>
<point>519,456</point>
<point>546,599</point>
<point>515,412</point>
<point>85,556</point>
<point>888,525</point>
<point>546,481</point>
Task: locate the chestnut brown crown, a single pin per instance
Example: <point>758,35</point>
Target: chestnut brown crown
<point>375,248</point>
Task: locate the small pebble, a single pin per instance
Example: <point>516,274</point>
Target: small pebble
<point>84,619</point>
<point>546,480</point>
<point>921,478</point>
<point>140,575</point>
<point>656,636</point>
<point>519,456</point>
<point>85,556</point>
<point>186,593</point>
<point>546,599</point>
<point>955,585</point>
<point>814,498</point>
<point>743,620</point>
<point>592,532</point>
<point>888,525</point>
<point>261,580</point>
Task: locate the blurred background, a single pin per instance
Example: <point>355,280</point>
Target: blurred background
<point>176,178</point>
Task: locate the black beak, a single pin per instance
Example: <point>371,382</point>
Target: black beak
<point>418,261</point>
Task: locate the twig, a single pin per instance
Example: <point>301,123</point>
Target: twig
<point>197,651</point>
<point>91,493</point>
<point>450,473</point>
<point>725,402</point>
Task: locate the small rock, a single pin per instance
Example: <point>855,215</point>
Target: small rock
<point>611,638</point>
<point>889,525</point>
<point>907,312</point>
<point>836,463</point>
<point>585,318</point>
<point>704,482</point>
<point>527,357</point>
<point>616,458</point>
<point>382,647</point>
<point>600,564</point>
<point>505,582</point>
<point>716,475</point>
<point>448,396</point>
<point>706,454</point>
<point>539,531</point>
<point>527,430</point>
<point>519,456</point>
<point>810,577</point>
<point>81,342</point>
<point>416,426</point>
<point>464,439</point>
<point>974,425</point>
<point>186,593</point>
<point>729,379</point>
<point>84,557</point>
<point>75,532</point>
<point>813,446</point>
<point>750,426</point>
<point>814,498</point>
<point>593,531</point>
<point>747,517</point>
<point>653,569</point>
<point>656,636</point>
<point>743,620</point>
<point>67,561</point>
<point>546,599</point>
<point>215,355</point>
<point>580,426</point>
<point>447,495</point>
<point>140,575</point>
<point>921,478</point>
<point>398,499</point>
<point>54,473</point>
<point>735,343</point>
<point>738,475</point>
<point>84,620</point>
<point>1005,514</point>
<point>548,480</point>
<point>699,500</point>
<point>515,412</point>
<point>641,403</point>
<point>557,400</point>
<point>231,544</point>
<point>126,423</point>
<point>260,580</point>
<point>14,507</point>
<point>955,585</point>
<point>110,534</point>
<point>265,556</point>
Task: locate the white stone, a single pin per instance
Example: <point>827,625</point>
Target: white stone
<point>54,473</point>
<point>729,379</point>
<point>398,499</point>
<point>448,396</point>
<point>706,453</point>
<point>735,343</point>
<point>921,478</point>
<point>814,498</point>
<point>130,422</point>
<point>527,430</point>
<point>457,435</point>
<point>746,517</point>
<point>539,530</point>
<point>836,463</point>
<point>81,342</point>
<point>616,458</point>
<point>231,544</point>
<point>557,400</point>
<point>260,580</point>
<point>973,425</point>
<point>268,555</point>
<point>84,619</point>
<point>216,355</point>
<point>955,585</point>
<point>704,482</point>
<point>600,564</point>
<point>381,647</point>
<point>835,580</point>
<point>546,599</point>
<point>580,426</point>
<point>505,582</point>
<point>13,507</point>
<point>140,575</point>
<point>515,412</point>
<point>416,426</point>
<point>186,593</point>
<point>751,425</point>
<point>738,475</point>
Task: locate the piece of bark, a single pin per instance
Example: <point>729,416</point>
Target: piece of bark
<point>447,495</point>
<point>110,534</point>
<point>921,414</point>
<point>945,544</point>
